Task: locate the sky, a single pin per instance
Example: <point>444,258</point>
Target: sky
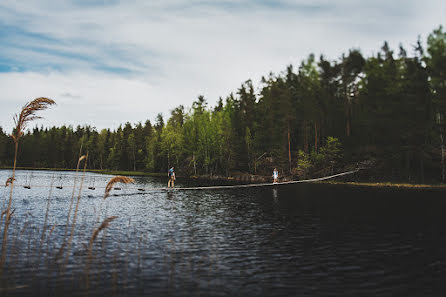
<point>106,63</point>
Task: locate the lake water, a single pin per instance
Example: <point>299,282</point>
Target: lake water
<point>290,240</point>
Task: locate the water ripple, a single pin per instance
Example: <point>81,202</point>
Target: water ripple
<point>296,240</point>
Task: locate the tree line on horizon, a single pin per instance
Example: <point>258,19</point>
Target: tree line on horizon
<point>386,110</point>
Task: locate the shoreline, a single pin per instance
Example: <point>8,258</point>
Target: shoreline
<point>245,178</point>
<point>99,171</point>
<point>262,179</point>
<point>388,185</point>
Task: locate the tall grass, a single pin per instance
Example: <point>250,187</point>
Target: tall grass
<point>80,158</point>
<point>25,248</point>
<point>113,181</point>
<point>95,234</point>
<point>73,224</point>
<point>46,216</point>
<point>21,120</point>
<point>92,268</point>
<point>64,243</point>
<point>22,242</point>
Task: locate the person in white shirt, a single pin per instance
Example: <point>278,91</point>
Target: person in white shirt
<point>275,176</point>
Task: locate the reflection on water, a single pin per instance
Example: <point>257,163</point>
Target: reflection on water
<point>170,195</point>
<point>275,194</point>
<point>293,240</point>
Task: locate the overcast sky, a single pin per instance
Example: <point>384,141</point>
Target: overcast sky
<point>109,62</point>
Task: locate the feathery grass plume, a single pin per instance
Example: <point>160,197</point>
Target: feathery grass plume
<point>95,234</point>
<point>114,180</point>
<point>104,225</point>
<point>9,181</point>
<point>27,115</point>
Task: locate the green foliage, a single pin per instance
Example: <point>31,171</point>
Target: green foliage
<point>436,65</point>
<point>384,107</point>
<point>303,164</point>
<point>332,150</point>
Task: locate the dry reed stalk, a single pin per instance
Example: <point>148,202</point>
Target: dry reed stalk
<point>46,217</point>
<point>48,243</point>
<point>73,225</point>
<point>127,262</point>
<point>138,265</point>
<point>18,287</point>
<point>51,231</point>
<point>28,251</point>
<point>95,234</point>
<point>74,189</point>
<point>104,225</point>
<point>115,272</point>
<point>10,215</point>
<point>9,181</point>
<point>114,180</point>
<point>109,187</point>
<point>64,243</point>
<point>18,248</point>
<point>27,115</point>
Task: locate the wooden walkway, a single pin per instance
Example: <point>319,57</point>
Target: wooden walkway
<point>221,187</point>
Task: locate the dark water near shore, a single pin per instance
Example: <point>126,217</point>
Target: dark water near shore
<point>291,240</point>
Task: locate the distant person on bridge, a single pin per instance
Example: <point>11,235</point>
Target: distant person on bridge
<point>171,175</point>
<point>275,176</point>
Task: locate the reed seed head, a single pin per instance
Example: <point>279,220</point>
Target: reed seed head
<point>9,181</point>
<point>104,225</point>
<point>28,114</point>
<point>114,180</point>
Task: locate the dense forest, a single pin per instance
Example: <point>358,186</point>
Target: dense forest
<point>385,112</point>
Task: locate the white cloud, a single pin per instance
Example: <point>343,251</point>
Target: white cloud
<point>96,99</point>
<point>171,51</point>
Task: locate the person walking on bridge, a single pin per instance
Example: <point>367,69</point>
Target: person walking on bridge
<point>275,176</point>
<point>171,175</point>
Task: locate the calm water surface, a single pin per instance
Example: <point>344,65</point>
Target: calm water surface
<point>291,240</point>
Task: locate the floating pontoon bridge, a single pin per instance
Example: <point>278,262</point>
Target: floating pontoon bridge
<point>143,189</point>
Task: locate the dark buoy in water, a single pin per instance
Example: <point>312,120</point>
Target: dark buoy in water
<point>28,182</point>
<point>141,189</point>
<point>92,187</point>
<point>60,186</point>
